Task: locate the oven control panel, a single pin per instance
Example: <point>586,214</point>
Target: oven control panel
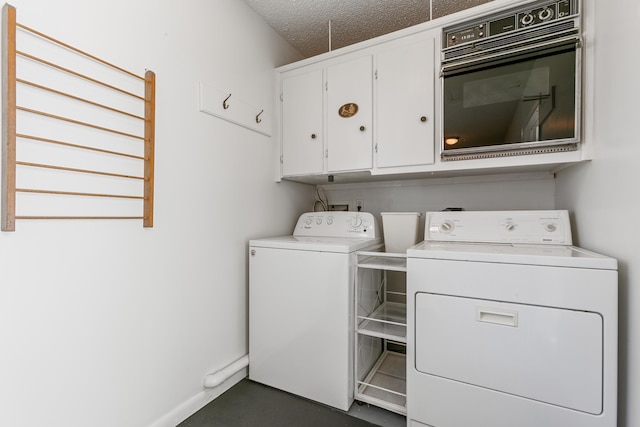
<point>513,20</point>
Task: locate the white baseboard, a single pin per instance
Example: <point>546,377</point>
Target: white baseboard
<point>197,402</point>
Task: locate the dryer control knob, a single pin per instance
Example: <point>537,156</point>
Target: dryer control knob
<point>446,227</point>
<point>510,226</point>
<point>551,227</point>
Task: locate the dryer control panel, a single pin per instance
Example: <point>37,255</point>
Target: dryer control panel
<point>337,224</point>
<point>535,227</point>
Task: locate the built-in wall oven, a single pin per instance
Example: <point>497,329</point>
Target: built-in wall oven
<point>512,82</point>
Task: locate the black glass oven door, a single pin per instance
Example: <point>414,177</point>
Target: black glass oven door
<point>524,101</point>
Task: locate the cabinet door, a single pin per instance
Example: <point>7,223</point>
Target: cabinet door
<point>302,139</point>
<point>349,139</point>
<point>405,105</point>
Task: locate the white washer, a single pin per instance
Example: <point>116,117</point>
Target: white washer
<point>301,299</point>
<point>509,325</point>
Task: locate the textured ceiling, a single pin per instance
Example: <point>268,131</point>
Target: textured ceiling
<point>305,23</point>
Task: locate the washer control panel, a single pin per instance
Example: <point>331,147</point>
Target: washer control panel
<point>337,224</point>
<point>535,227</point>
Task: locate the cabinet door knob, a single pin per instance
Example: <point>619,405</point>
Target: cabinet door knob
<point>313,136</point>
<point>362,128</point>
<point>423,118</point>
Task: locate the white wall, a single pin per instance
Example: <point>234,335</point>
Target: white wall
<point>490,192</point>
<point>603,194</point>
<point>108,323</point>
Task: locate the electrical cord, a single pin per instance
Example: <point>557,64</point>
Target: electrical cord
<point>324,203</point>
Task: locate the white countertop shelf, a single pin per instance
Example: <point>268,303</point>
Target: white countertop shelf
<point>388,321</point>
<point>382,261</point>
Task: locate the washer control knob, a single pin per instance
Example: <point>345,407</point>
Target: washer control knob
<point>447,227</point>
<point>319,220</point>
<point>510,226</point>
<point>356,221</point>
<point>551,228</point>
<point>308,220</point>
<point>329,220</point>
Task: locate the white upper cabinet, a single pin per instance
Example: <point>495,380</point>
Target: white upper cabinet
<point>328,122</point>
<point>302,124</point>
<point>376,109</point>
<point>350,115</point>
<point>405,105</point>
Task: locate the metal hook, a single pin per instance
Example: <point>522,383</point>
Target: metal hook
<point>258,119</point>
<point>224,103</point>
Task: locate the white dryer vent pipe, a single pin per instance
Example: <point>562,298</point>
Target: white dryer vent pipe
<point>217,378</point>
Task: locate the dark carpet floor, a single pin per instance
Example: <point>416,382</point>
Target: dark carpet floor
<point>249,404</point>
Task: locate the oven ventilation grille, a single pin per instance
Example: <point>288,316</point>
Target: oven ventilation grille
<point>510,153</point>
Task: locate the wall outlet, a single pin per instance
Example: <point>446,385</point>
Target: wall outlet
<point>339,206</point>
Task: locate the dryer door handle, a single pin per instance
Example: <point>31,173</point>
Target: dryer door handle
<point>497,317</point>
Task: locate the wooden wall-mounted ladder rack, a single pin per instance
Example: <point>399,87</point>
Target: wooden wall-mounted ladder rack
<point>77,136</point>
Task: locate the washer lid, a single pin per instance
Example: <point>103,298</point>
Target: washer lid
<point>314,243</point>
<point>548,255</point>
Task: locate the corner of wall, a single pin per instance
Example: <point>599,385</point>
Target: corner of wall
<point>197,402</point>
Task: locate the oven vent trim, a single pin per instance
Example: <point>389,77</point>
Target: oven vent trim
<point>518,39</point>
<point>509,153</point>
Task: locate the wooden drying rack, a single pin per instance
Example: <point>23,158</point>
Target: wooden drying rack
<point>10,83</point>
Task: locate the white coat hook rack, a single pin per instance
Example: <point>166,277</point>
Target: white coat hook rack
<point>240,113</point>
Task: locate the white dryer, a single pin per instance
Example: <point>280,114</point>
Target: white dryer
<point>301,304</point>
<point>509,325</point>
